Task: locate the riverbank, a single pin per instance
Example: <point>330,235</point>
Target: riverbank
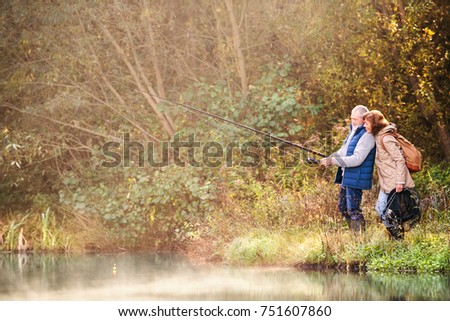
<point>422,251</point>
<point>289,220</point>
<point>418,253</point>
<point>425,248</point>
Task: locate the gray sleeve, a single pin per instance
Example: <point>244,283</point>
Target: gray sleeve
<point>363,148</point>
<point>338,153</point>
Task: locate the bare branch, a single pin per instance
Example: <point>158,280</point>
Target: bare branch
<point>170,131</point>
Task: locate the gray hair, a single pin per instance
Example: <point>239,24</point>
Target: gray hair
<point>360,110</point>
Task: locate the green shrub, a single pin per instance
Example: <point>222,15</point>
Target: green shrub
<point>167,204</point>
<point>429,254</point>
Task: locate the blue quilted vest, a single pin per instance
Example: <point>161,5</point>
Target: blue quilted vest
<point>357,177</point>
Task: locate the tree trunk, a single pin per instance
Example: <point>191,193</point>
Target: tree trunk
<point>237,47</point>
<point>444,137</point>
<point>401,10</point>
<point>152,47</point>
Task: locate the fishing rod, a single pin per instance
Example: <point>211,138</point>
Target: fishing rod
<point>202,112</point>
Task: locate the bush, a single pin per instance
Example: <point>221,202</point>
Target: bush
<point>433,185</point>
<point>164,205</point>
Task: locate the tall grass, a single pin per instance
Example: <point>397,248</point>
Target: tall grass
<point>43,232</point>
<point>269,224</point>
<point>12,232</point>
<point>373,251</point>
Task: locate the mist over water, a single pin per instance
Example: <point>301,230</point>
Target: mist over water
<point>146,276</point>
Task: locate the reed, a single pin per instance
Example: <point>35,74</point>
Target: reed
<point>13,232</point>
<point>32,232</point>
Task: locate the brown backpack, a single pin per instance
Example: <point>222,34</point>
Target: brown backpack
<point>413,158</point>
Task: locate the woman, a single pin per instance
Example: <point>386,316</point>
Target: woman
<point>391,167</point>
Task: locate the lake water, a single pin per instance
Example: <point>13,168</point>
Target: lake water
<point>146,276</point>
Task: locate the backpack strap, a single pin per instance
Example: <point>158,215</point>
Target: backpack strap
<point>392,132</point>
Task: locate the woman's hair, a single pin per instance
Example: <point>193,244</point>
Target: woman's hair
<point>377,120</point>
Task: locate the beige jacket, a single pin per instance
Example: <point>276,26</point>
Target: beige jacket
<point>390,162</point>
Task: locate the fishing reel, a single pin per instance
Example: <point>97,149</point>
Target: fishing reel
<point>312,160</point>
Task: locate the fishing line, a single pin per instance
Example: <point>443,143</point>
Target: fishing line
<point>221,125</point>
<point>233,128</point>
<point>199,111</point>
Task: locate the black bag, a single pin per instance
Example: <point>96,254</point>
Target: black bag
<point>403,207</point>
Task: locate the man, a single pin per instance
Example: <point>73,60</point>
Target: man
<point>355,160</point>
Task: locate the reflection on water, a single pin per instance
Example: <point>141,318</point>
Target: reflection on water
<point>167,277</point>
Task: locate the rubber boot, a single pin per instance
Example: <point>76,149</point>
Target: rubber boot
<point>396,232</point>
<point>358,226</point>
<point>349,221</point>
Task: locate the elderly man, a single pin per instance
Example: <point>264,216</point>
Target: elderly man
<point>355,161</point>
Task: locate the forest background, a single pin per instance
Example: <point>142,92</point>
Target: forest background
<point>72,77</point>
